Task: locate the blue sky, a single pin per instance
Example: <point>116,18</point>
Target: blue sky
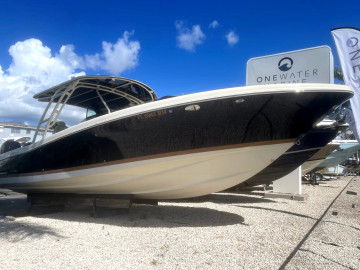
<point>168,45</point>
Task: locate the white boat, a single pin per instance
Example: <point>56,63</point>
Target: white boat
<point>346,149</point>
<point>319,157</point>
<point>352,165</point>
<point>186,146</point>
<point>338,170</point>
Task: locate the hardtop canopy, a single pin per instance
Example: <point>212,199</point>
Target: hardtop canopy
<point>89,91</point>
<point>100,94</point>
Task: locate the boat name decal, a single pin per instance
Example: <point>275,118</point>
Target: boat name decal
<point>152,114</point>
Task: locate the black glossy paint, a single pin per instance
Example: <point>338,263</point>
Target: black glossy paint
<point>265,117</point>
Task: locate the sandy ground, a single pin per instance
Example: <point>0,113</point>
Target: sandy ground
<point>218,231</point>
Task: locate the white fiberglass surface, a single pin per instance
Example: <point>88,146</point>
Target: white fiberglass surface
<point>173,177</point>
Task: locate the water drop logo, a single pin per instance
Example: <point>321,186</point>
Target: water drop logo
<point>351,42</point>
<point>285,64</point>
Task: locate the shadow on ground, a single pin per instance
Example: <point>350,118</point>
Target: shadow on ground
<point>169,213</point>
<point>227,198</point>
<point>15,231</point>
<point>167,216</point>
<point>276,210</point>
<point>162,215</point>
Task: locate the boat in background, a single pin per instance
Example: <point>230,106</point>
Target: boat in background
<point>10,143</point>
<point>304,149</point>
<point>352,164</point>
<point>346,149</point>
<point>186,146</point>
<point>335,171</point>
<point>313,162</point>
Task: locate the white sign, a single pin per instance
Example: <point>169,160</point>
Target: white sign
<point>313,65</point>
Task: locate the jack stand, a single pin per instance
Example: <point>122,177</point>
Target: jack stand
<point>103,207</point>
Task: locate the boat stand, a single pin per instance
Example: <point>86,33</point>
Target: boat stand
<point>111,206</point>
<point>102,205</point>
<point>288,187</point>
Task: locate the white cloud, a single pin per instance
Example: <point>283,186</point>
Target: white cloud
<point>35,68</point>
<point>122,55</point>
<point>93,61</point>
<point>70,58</point>
<point>214,24</point>
<point>232,38</point>
<point>187,39</point>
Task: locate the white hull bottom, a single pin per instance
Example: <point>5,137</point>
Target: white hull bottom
<point>181,176</point>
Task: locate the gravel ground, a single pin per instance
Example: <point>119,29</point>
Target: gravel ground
<point>218,231</point>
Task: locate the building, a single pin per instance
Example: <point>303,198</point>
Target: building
<point>16,130</point>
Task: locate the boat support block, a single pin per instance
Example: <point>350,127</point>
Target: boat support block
<point>102,205</point>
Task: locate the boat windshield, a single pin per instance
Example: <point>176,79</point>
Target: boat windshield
<point>90,114</point>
